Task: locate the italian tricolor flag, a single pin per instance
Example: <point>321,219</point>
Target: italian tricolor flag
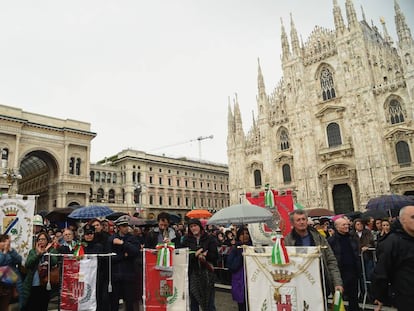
<point>338,304</point>
<point>166,290</point>
<point>79,284</point>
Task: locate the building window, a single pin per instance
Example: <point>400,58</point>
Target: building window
<point>257,178</point>
<point>178,182</point>
<point>114,178</point>
<point>97,176</point>
<point>72,165</point>
<point>160,200</point>
<point>111,196</point>
<point>150,179</point>
<point>134,177</point>
<point>334,135</point>
<point>186,201</point>
<point>160,180</point>
<point>186,183</point>
<point>103,179</point>
<point>284,140</point>
<point>108,178</point>
<point>169,201</point>
<point>92,176</point>
<point>100,195</point>
<point>169,181</point>
<point>287,178</point>
<point>396,112</point>
<point>151,200</point>
<point>78,166</point>
<point>403,153</point>
<point>178,202</point>
<point>327,84</point>
<point>90,195</point>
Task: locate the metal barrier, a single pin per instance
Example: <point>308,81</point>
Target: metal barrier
<point>366,279</point>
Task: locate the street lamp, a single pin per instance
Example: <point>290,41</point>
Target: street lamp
<point>11,175</point>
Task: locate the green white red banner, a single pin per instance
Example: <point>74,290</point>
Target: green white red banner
<point>166,289</point>
<point>292,287</point>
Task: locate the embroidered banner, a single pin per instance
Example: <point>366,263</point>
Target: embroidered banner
<point>79,284</point>
<point>264,233</point>
<point>16,221</point>
<point>293,287</point>
<point>166,290</point>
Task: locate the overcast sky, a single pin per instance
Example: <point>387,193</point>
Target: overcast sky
<point>151,74</point>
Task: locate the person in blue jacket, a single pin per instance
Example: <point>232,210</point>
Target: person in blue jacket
<point>235,265</point>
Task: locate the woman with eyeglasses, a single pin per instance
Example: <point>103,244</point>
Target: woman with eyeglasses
<point>35,295</point>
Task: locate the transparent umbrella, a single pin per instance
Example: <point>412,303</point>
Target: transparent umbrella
<point>240,214</point>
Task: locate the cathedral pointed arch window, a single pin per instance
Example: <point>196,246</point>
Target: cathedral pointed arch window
<point>257,178</point>
<point>327,84</point>
<point>403,153</point>
<point>334,134</point>
<point>287,177</point>
<point>284,140</point>
<point>395,111</point>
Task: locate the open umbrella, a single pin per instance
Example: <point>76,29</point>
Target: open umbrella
<point>391,203</point>
<point>115,215</point>
<point>318,212</point>
<point>240,214</point>
<point>90,212</point>
<point>60,214</point>
<point>198,213</point>
<point>174,218</point>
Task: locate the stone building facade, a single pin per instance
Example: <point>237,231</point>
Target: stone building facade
<point>338,128</point>
<point>50,158</point>
<point>137,181</point>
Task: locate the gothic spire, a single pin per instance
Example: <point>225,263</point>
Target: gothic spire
<point>230,118</point>
<point>339,21</point>
<point>260,81</point>
<point>403,31</point>
<point>285,43</point>
<point>294,37</point>
<point>237,114</point>
<point>387,37</point>
<point>363,14</point>
<point>351,14</point>
<point>254,120</point>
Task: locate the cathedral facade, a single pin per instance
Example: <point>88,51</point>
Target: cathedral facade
<point>338,128</point>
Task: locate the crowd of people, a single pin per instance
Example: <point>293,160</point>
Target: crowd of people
<point>385,246</point>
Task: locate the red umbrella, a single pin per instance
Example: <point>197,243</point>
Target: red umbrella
<point>318,212</point>
<point>198,213</point>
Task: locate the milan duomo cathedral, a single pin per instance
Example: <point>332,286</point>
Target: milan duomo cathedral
<point>338,128</point>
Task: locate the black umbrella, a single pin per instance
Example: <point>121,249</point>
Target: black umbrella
<point>60,214</point>
<point>115,215</point>
<point>375,213</point>
<point>174,218</point>
<point>391,203</point>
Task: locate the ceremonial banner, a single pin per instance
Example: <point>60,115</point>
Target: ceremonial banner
<point>296,286</point>
<point>79,284</point>
<point>16,220</point>
<point>264,233</point>
<point>166,290</point>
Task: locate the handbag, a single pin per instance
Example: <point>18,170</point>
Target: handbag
<point>8,276</point>
<point>53,275</point>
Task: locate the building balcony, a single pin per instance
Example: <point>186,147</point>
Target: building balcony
<point>337,152</point>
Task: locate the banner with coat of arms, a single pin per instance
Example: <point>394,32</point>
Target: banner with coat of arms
<point>166,289</point>
<point>78,291</point>
<point>16,220</point>
<point>296,286</point>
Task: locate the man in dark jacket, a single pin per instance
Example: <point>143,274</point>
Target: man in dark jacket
<point>304,235</point>
<point>127,248</point>
<point>163,233</point>
<point>203,255</point>
<point>346,250</point>
<point>396,264</point>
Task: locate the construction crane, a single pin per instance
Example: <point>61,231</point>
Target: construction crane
<point>199,139</point>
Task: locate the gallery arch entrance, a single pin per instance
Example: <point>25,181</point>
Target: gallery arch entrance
<point>39,171</point>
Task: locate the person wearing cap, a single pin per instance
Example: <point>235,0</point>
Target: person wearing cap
<point>93,246</point>
<point>127,248</point>
<point>203,255</point>
<point>163,233</point>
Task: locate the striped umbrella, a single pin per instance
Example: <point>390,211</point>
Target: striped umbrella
<point>90,212</point>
